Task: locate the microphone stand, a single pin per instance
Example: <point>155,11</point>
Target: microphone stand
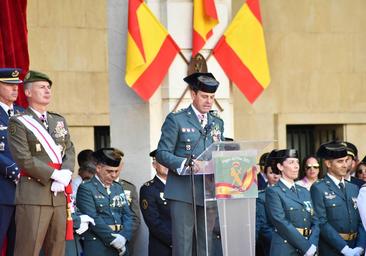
<point>189,164</point>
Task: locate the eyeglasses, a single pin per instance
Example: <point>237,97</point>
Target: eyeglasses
<point>315,166</point>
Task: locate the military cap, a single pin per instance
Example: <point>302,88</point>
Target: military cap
<point>153,153</point>
<point>278,156</point>
<point>34,76</point>
<point>107,156</point>
<point>332,150</point>
<point>10,75</point>
<point>204,82</point>
<point>263,158</point>
<point>351,149</point>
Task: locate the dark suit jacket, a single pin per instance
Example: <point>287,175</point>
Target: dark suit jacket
<point>28,153</point>
<point>9,170</point>
<point>337,214</point>
<point>179,133</point>
<point>156,212</point>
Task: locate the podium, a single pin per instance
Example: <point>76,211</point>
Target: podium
<point>230,186</point>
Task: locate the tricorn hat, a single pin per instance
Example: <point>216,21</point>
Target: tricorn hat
<point>332,150</point>
<point>205,82</point>
<point>107,156</point>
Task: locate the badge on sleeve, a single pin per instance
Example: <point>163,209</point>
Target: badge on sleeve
<point>144,204</point>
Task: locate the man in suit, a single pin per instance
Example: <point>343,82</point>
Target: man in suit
<point>262,180</point>
<point>9,171</point>
<point>156,212</point>
<point>132,200</point>
<point>40,143</point>
<point>184,134</point>
<point>103,199</point>
<point>335,203</point>
<point>352,162</point>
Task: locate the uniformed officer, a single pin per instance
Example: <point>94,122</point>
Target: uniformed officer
<point>179,133</point>
<point>9,171</point>
<point>335,202</point>
<point>40,143</point>
<point>290,209</point>
<point>352,162</point>
<point>132,199</point>
<point>156,212</point>
<point>103,199</point>
<point>261,176</point>
<point>263,227</point>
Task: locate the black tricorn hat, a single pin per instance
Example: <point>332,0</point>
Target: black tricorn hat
<point>153,153</point>
<point>278,156</point>
<point>332,150</point>
<point>263,158</point>
<point>205,82</point>
<point>351,149</point>
<point>107,156</point>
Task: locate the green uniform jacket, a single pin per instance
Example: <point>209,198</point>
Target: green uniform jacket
<point>179,133</point>
<point>106,209</point>
<point>30,156</point>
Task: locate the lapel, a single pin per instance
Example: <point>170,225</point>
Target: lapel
<point>192,118</point>
<point>289,193</point>
<point>51,123</point>
<point>100,187</point>
<point>4,117</point>
<point>160,185</point>
<point>333,187</point>
<point>29,111</point>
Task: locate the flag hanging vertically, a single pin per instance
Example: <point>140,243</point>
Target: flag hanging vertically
<point>204,20</point>
<point>150,50</point>
<point>241,51</point>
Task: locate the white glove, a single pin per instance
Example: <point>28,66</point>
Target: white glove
<point>311,251</point>
<point>57,187</point>
<point>357,251</point>
<point>122,251</point>
<point>348,251</point>
<point>63,176</point>
<point>119,241</point>
<point>84,224</point>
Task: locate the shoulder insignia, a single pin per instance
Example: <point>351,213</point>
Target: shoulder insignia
<point>214,113</point>
<point>51,114</point>
<point>144,204</point>
<point>180,111</point>
<point>127,182</point>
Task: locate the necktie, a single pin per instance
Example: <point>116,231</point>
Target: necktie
<point>44,121</point>
<point>10,112</point>
<point>341,186</point>
<point>201,117</point>
<point>293,189</point>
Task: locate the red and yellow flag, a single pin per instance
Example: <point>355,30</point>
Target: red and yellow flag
<point>150,50</point>
<point>204,20</point>
<point>241,51</point>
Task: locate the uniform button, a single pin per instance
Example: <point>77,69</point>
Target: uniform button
<point>305,219</point>
<point>10,176</point>
<point>101,205</point>
<point>94,238</point>
<point>303,210</point>
<point>291,208</point>
<point>333,205</point>
<point>29,178</point>
<point>12,172</point>
<point>38,180</point>
<point>285,241</point>
<point>112,213</point>
<point>165,203</point>
<point>16,168</point>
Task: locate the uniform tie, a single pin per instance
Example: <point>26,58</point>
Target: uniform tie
<point>341,186</point>
<point>10,112</point>
<point>293,189</point>
<point>44,121</point>
<point>201,118</point>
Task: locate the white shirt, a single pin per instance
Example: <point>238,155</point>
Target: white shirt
<point>287,183</point>
<point>6,107</point>
<point>39,114</point>
<point>199,114</point>
<point>335,180</point>
<point>162,180</point>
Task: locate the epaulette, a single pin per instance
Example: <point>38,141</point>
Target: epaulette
<point>179,111</point>
<point>148,183</point>
<point>125,181</point>
<point>55,114</point>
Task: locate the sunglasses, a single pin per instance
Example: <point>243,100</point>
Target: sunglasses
<point>315,166</point>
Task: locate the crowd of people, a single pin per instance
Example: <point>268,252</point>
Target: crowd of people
<point>306,211</point>
<point>317,207</point>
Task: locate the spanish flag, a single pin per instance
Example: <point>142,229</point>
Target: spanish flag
<point>204,20</point>
<point>150,50</point>
<point>241,51</point>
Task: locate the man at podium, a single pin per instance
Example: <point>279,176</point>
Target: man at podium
<point>184,136</point>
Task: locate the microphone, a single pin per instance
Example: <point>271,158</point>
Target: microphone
<point>207,129</point>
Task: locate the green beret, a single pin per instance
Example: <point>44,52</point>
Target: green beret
<point>34,76</point>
